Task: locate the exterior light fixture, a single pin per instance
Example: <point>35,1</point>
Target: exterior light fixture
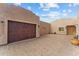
<point>2,21</point>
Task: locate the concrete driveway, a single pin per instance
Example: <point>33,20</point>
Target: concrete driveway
<point>48,45</point>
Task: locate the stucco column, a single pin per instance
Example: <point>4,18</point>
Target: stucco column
<point>37,31</point>
<point>77,30</point>
<point>3,32</point>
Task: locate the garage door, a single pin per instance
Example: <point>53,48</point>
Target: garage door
<point>19,31</point>
<point>71,30</point>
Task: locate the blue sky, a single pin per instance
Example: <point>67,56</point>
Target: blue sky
<point>49,12</point>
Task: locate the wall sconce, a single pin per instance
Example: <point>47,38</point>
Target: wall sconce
<point>2,21</point>
<point>38,25</point>
<point>77,24</point>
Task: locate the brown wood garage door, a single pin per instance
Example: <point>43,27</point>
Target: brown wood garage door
<point>19,31</point>
<point>71,30</point>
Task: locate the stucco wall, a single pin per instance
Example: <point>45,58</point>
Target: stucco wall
<point>44,28</point>
<point>77,24</point>
<point>15,13</point>
<point>3,26</point>
<point>62,23</point>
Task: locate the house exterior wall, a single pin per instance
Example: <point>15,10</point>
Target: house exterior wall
<point>62,23</point>
<point>14,13</point>
<point>44,28</point>
<point>3,26</point>
<point>77,25</point>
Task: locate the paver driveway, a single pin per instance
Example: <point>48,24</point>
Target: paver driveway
<point>48,45</point>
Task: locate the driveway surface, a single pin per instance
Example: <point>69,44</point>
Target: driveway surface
<point>47,45</point>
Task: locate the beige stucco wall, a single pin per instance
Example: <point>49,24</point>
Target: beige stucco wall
<point>62,23</point>
<point>3,29</point>
<point>15,13</point>
<point>44,28</point>
<point>77,24</point>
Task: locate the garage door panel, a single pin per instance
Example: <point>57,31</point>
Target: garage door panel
<point>19,31</point>
<point>71,30</point>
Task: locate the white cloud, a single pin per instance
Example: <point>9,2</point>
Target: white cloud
<point>53,5</point>
<point>45,9</point>
<point>42,5</point>
<point>37,14</point>
<point>43,15</point>
<point>47,6</point>
<point>70,4</point>
<point>17,4</point>
<point>48,19</point>
<point>69,10</point>
<point>75,4</point>
<point>63,11</point>
<point>64,14</point>
<point>51,15</point>
<point>29,8</point>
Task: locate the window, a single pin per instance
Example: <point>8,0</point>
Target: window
<point>61,28</point>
